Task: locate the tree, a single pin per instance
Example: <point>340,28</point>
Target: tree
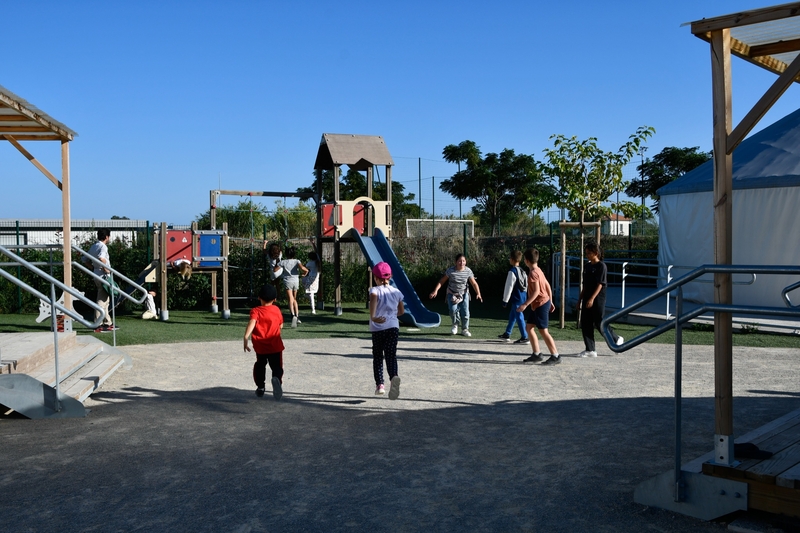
<point>666,166</point>
<point>499,183</point>
<point>244,219</point>
<point>584,176</point>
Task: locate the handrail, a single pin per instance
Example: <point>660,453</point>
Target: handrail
<point>681,318</point>
<point>115,273</point>
<point>53,281</point>
<point>704,308</point>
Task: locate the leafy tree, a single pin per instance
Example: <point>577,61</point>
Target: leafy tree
<point>244,219</point>
<point>499,183</point>
<point>584,176</point>
<point>668,165</point>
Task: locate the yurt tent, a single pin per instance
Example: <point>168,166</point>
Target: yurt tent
<point>766,216</point>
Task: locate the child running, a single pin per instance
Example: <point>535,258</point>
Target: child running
<point>540,300</point>
<point>385,305</point>
<point>266,321</point>
<point>457,277</point>
<point>311,281</point>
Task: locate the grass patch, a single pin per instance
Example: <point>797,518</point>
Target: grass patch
<point>487,321</point>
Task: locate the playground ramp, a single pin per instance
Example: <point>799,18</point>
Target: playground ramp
<point>377,249</point>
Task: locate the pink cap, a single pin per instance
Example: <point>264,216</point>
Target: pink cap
<point>382,270</point>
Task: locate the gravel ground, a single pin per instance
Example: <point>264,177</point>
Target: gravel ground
<point>477,440</point>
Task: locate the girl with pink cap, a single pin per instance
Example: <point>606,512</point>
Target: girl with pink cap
<point>385,305</point>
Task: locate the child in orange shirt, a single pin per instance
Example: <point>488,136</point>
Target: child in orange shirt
<point>266,321</point>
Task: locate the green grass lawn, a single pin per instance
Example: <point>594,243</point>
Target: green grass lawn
<point>487,321</point>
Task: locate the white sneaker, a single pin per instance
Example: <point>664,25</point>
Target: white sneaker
<point>620,340</point>
<point>585,353</point>
<point>591,354</point>
<point>466,333</point>
<point>380,390</point>
<point>294,321</point>
<point>454,330</point>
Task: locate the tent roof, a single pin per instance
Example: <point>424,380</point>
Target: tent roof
<point>358,152</point>
<point>769,158</point>
<point>24,122</point>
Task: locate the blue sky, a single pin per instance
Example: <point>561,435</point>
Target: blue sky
<point>172,99</point>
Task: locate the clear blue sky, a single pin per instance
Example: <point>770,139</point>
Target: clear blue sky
<point>174,98</point>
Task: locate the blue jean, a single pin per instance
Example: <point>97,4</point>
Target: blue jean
<point>515,317</point>
<point>459,312</point>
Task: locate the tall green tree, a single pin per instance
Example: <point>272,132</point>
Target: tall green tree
<point>498,183</point>
<point>244,219</point>
<point>666,166</point>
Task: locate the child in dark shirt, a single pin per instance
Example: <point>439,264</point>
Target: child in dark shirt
<point>593,299</point>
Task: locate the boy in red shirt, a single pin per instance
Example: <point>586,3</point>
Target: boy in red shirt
<point>266,321</point>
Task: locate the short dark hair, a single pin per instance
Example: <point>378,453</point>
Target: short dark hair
<point>268,293</point>
<point>516,255</point>
<point>102,233</point>
<point>532,255</point>
<point>592,247</point>
<point>291,252</point>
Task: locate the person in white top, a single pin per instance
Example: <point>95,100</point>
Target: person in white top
<point>99,250</point>
<point>385,305</point>
<point>311,281</point>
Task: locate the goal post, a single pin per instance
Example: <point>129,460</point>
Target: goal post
<point>438,227</point>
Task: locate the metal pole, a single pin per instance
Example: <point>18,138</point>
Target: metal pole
<point>678,414</point>
<point>19,276</point>
<point>642,150</point>
<point>433,207</point>
<point>419,185</point>
<point>53,324</point>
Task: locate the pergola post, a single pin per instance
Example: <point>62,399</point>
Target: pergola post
<point>723,248</point>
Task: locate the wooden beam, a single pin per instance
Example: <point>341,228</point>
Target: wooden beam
<point>723,201</point>
<point>15,129</point>
<point>32,159</point>
<point>780,47</point>
<point>745,18</point>
<point>13,118</point>
<point>763,105</point>
<point>268,193</point>
<point>22,110</point>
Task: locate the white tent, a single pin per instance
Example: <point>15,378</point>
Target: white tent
<point>766,216</point>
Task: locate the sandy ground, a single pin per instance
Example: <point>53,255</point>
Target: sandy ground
<point>477,440</point>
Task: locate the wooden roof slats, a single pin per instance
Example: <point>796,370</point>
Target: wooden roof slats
<point>358,152</point>
<point>24,122</point>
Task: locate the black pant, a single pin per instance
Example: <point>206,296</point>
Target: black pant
<point>275,361</point>
<point>590,321</point>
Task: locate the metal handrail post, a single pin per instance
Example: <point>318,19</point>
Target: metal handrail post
<point>54,326</point>
<point>678,396</point>
<point>624,277</point>
<point>669,278</point>
<point>113,310</point>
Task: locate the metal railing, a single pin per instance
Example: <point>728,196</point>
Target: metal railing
<point>54,304</point>
<point>624,274</point>
<point>682,318</point>
<point>108,284</point>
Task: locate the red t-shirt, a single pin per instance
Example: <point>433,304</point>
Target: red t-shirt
<point>267,333</point>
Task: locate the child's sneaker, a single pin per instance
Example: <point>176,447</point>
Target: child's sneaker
<point>299,321</point>
<point>587,353</point>
<point>380,390</point>
<point>466,333</point>
<point>504,337</point>
<point>259,392</point>
<point>294,321</point>
<point>521,340</point>
<point>394,390</point>
<point>454,329</point>
<point>554,360</point>
<point>620,340</point>
<point>534,358</point>
<point>277,388</point>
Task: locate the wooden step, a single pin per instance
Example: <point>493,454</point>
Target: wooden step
<point>69,361</point>
<point>23,352</point>
<point>84,382</point>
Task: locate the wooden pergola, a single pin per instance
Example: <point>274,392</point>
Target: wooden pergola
<point>21,121</point>
<point>769,38</point>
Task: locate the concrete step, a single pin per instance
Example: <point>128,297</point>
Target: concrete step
<point>69,361</point>
<point>80,385</point>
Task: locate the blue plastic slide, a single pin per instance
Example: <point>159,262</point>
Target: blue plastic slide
<point>377,249</point>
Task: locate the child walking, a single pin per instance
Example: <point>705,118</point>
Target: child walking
<point>385,305</point>
<point>266,321</point>
<point>540,300</point>
<point>291,268</point>
<point>593,299</point>
<point>311,281</point>
<point>515,294</point>
<point>457,277</point>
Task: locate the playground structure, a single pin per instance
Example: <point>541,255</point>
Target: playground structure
<point>364,219</point>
